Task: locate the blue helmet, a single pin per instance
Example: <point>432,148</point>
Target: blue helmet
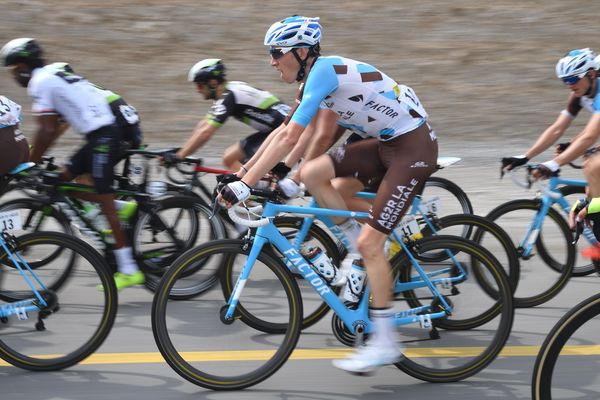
<point>576,63</point>
<point>295,31</point>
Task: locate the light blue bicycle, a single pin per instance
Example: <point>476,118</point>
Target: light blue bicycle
<point>542,237</point>
<point>231,350</point>
<point>58,300</point>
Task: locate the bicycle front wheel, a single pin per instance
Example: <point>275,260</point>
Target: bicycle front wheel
<point>567,363</point>
<point>547,269</point>
<point>313,306</point>
<point>476,328</point>
<point>78,316</point>
<point>174,226</point>
<point>207,349</point>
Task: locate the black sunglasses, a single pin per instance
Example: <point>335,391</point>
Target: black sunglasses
<point>278,52</point>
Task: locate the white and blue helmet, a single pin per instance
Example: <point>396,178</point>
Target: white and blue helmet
<point>294,31</point>
<point>576,63</point>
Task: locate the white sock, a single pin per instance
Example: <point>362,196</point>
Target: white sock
<point>351,229</point>
<point>384,332</point>
<point>125,262</point>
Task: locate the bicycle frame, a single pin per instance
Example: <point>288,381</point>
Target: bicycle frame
<point>22,307</point>
<point>550,196</point>
<point>352,318</point>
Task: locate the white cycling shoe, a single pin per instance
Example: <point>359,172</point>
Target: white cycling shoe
<point>368,358</point>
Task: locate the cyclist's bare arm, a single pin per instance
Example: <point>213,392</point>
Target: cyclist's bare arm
<point>279,147</point>
<point>308,137</point>
<point>550,135</point>
<point>47,132</point>
<point>586,139</point>
<point>202,134</point>
<point>327,132</point>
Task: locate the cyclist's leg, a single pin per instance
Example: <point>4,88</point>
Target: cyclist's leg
<point>348,187</point>
<point>351,162</point>
<point>98,157</point>
<point>409,160</point>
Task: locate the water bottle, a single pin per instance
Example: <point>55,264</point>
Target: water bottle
<point>355,282</point>
<point>324,267</point>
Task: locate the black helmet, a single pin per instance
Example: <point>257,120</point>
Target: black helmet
<point>205,70</point>
<point>21,50</point>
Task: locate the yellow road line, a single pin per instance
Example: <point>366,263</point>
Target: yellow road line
<point>315,354</point>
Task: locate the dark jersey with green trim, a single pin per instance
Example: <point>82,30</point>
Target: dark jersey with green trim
<point>254,107</point>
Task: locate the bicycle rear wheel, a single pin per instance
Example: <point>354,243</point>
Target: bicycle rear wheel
<point>206,349</point>
<point>38,215</point>
<point>78,317</point>
<point>486,233</point>
<point>473,334</point>
<point>567,363</point>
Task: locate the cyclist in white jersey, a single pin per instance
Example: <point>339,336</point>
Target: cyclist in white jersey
<point>401,153</point>
<point>14,149</point>
<point>59,96</point>
<point>255,107</point>
<point>578,70</point>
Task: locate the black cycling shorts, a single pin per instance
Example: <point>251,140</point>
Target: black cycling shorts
<point>251,143</point>
<point>98,157</point>
<point>398,167</point>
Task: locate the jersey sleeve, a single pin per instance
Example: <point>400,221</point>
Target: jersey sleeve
<point>41,93</point>
<point>596,104</point>
<point>573,106</point>
<point>321,81</point>
<point>221,110</point>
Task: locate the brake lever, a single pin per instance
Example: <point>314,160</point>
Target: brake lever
<point>579,226</point>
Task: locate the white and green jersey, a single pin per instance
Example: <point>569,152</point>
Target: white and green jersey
<point>254,107</point>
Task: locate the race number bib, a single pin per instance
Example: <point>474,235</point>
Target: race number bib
<point>431,205</point>
<point>10,221</point>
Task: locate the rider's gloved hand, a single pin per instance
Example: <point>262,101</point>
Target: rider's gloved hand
<point>289,187</point>
<point>235,192</point>
<point>546,169</point>
<point>509,163</point>
<point>280,170</point>
<point>170,157</point>
<point>561,147</point>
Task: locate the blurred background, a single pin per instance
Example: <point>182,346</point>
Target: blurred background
<point>484,70</point>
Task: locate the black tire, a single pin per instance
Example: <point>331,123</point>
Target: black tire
<point>38,215</point>
<point>312,314</point>
<point>545,362</point>
<point>164,226</point>
<point>562,269</point>
<point>483,229</point>
<point>492,326</point>
<point>478,258</point>
<point>213,325</point>
<point>583,268</point>
<point>77,300</point>
<point>454,189</point>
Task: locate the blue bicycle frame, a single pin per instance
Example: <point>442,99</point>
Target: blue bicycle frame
<point>351,317</point>
<point>21,308</point>
<point>551,196</point>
